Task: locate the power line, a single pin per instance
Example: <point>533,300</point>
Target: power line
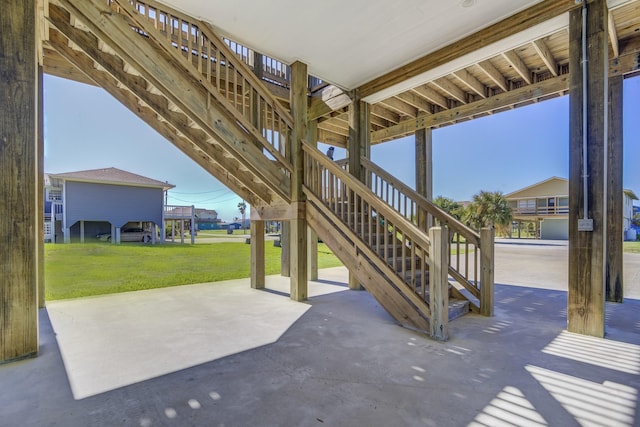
<point>202,192</point>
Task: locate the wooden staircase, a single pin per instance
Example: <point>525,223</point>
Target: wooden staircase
<point>408,267</point>
<point>398,255</point>
<point>182,79</point>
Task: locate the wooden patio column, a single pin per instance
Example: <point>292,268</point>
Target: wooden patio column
<point>18,173</point>
<point>298,226</point>
<point>312,237</point>
<point>587,244</point>
<point>359,145</point>
<point>40,188</point>
<point>257,254</point>
<point>424,170</point>
<point>614,259</point>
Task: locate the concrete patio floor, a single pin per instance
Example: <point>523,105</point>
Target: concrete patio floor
<point>225,355</point>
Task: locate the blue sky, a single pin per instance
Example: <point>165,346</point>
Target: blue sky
<point>85,128</point>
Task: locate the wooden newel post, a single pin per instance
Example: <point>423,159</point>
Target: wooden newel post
<point>257,255</point>
<point>487,236</point>
<point>439,282</point>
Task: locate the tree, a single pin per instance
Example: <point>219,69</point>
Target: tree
<point>242,207</point>
<point>487,209</point>
<point>450,206</point>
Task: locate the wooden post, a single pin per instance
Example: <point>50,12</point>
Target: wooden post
<point>298,229</point>
<point>587,249</point>
<point>257,255</point>
<point>614,259</point>
<point>439,283</point>
<point>40,191</point>
<point>18,173</point>
<point>359,146</point>
<point>424,170</point>
<point>312,237</point>
<point>487,237</point>
<point>285,246</point>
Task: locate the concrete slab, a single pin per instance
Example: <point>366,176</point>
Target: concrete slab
<point>112,341</point>
<point>344,362</point>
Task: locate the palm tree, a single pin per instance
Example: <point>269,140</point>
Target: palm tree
<point>489,209</point>
<point>450,206</point>
<point>242,207</point>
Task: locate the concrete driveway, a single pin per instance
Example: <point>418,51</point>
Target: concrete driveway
<point>544,264</point>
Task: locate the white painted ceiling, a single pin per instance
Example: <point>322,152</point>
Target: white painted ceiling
<point>348,42</point>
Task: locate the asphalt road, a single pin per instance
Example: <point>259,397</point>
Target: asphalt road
<point>544,264</point>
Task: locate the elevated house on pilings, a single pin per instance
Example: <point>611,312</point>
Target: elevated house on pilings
<point>212,87</point>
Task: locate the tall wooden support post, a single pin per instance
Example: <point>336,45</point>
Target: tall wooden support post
<point>587,200</point>
<point>487,256</point>
<point>312,237</point>
<point>18,173</point>
<point>614,259</point>
<point>285,246</point>
<point>40,189</point>
<point>439,283</point>
<point>298,226</point>
<point>424,170</point>
<point>359,146</point>
<point>257,254</point>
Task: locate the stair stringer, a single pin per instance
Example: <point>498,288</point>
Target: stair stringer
<point>407,308</point>
<point>219,128</point>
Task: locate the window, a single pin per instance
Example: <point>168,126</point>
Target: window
<point>55,195</point>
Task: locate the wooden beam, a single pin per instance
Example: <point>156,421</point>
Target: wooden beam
<point>55,65</point>
<point>40,188</point>
<point>278,211</point>
<point>587,249</point>
<point>518,65</point>
<point>537,14</point>
<point>18,142</point>
<point>544,88</point>
<point>330,98</point>
<point>257,255</point>
<point>451,89</point>
<point>492,72</point>
<point>613,35</point>
<point>400,107</point>
<point>385,114</point>
<point>628,61</point>
<point>312,236</point>
<point>413,99</point>
<point>331,138</point>
<point>298,226</point>
<point>439,283</point>
<point>424,170</point>
<point>471,82</point>
<point>546,56</point>
<point>432,95</point>
<point>137,85</point>
<point>614,289</point>
<point>181,88</point>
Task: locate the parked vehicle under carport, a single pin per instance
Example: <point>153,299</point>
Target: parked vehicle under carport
<point>135,234</point>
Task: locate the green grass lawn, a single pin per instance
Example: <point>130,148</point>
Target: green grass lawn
<point>78,270</point>
<point>632,247</point>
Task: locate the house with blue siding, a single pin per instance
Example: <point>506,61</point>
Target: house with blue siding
<point>82,205</point>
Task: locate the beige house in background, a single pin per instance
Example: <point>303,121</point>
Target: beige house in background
<point>543,209</point>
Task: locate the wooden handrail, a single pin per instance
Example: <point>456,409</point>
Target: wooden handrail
<point>466,263</point>
<point>432,209</point>
<point>203,45</point>
<point>363,191</point>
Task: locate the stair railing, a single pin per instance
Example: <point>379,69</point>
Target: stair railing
<point>208,56</point>
<point>399,244</point>
<point>468,265</point>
